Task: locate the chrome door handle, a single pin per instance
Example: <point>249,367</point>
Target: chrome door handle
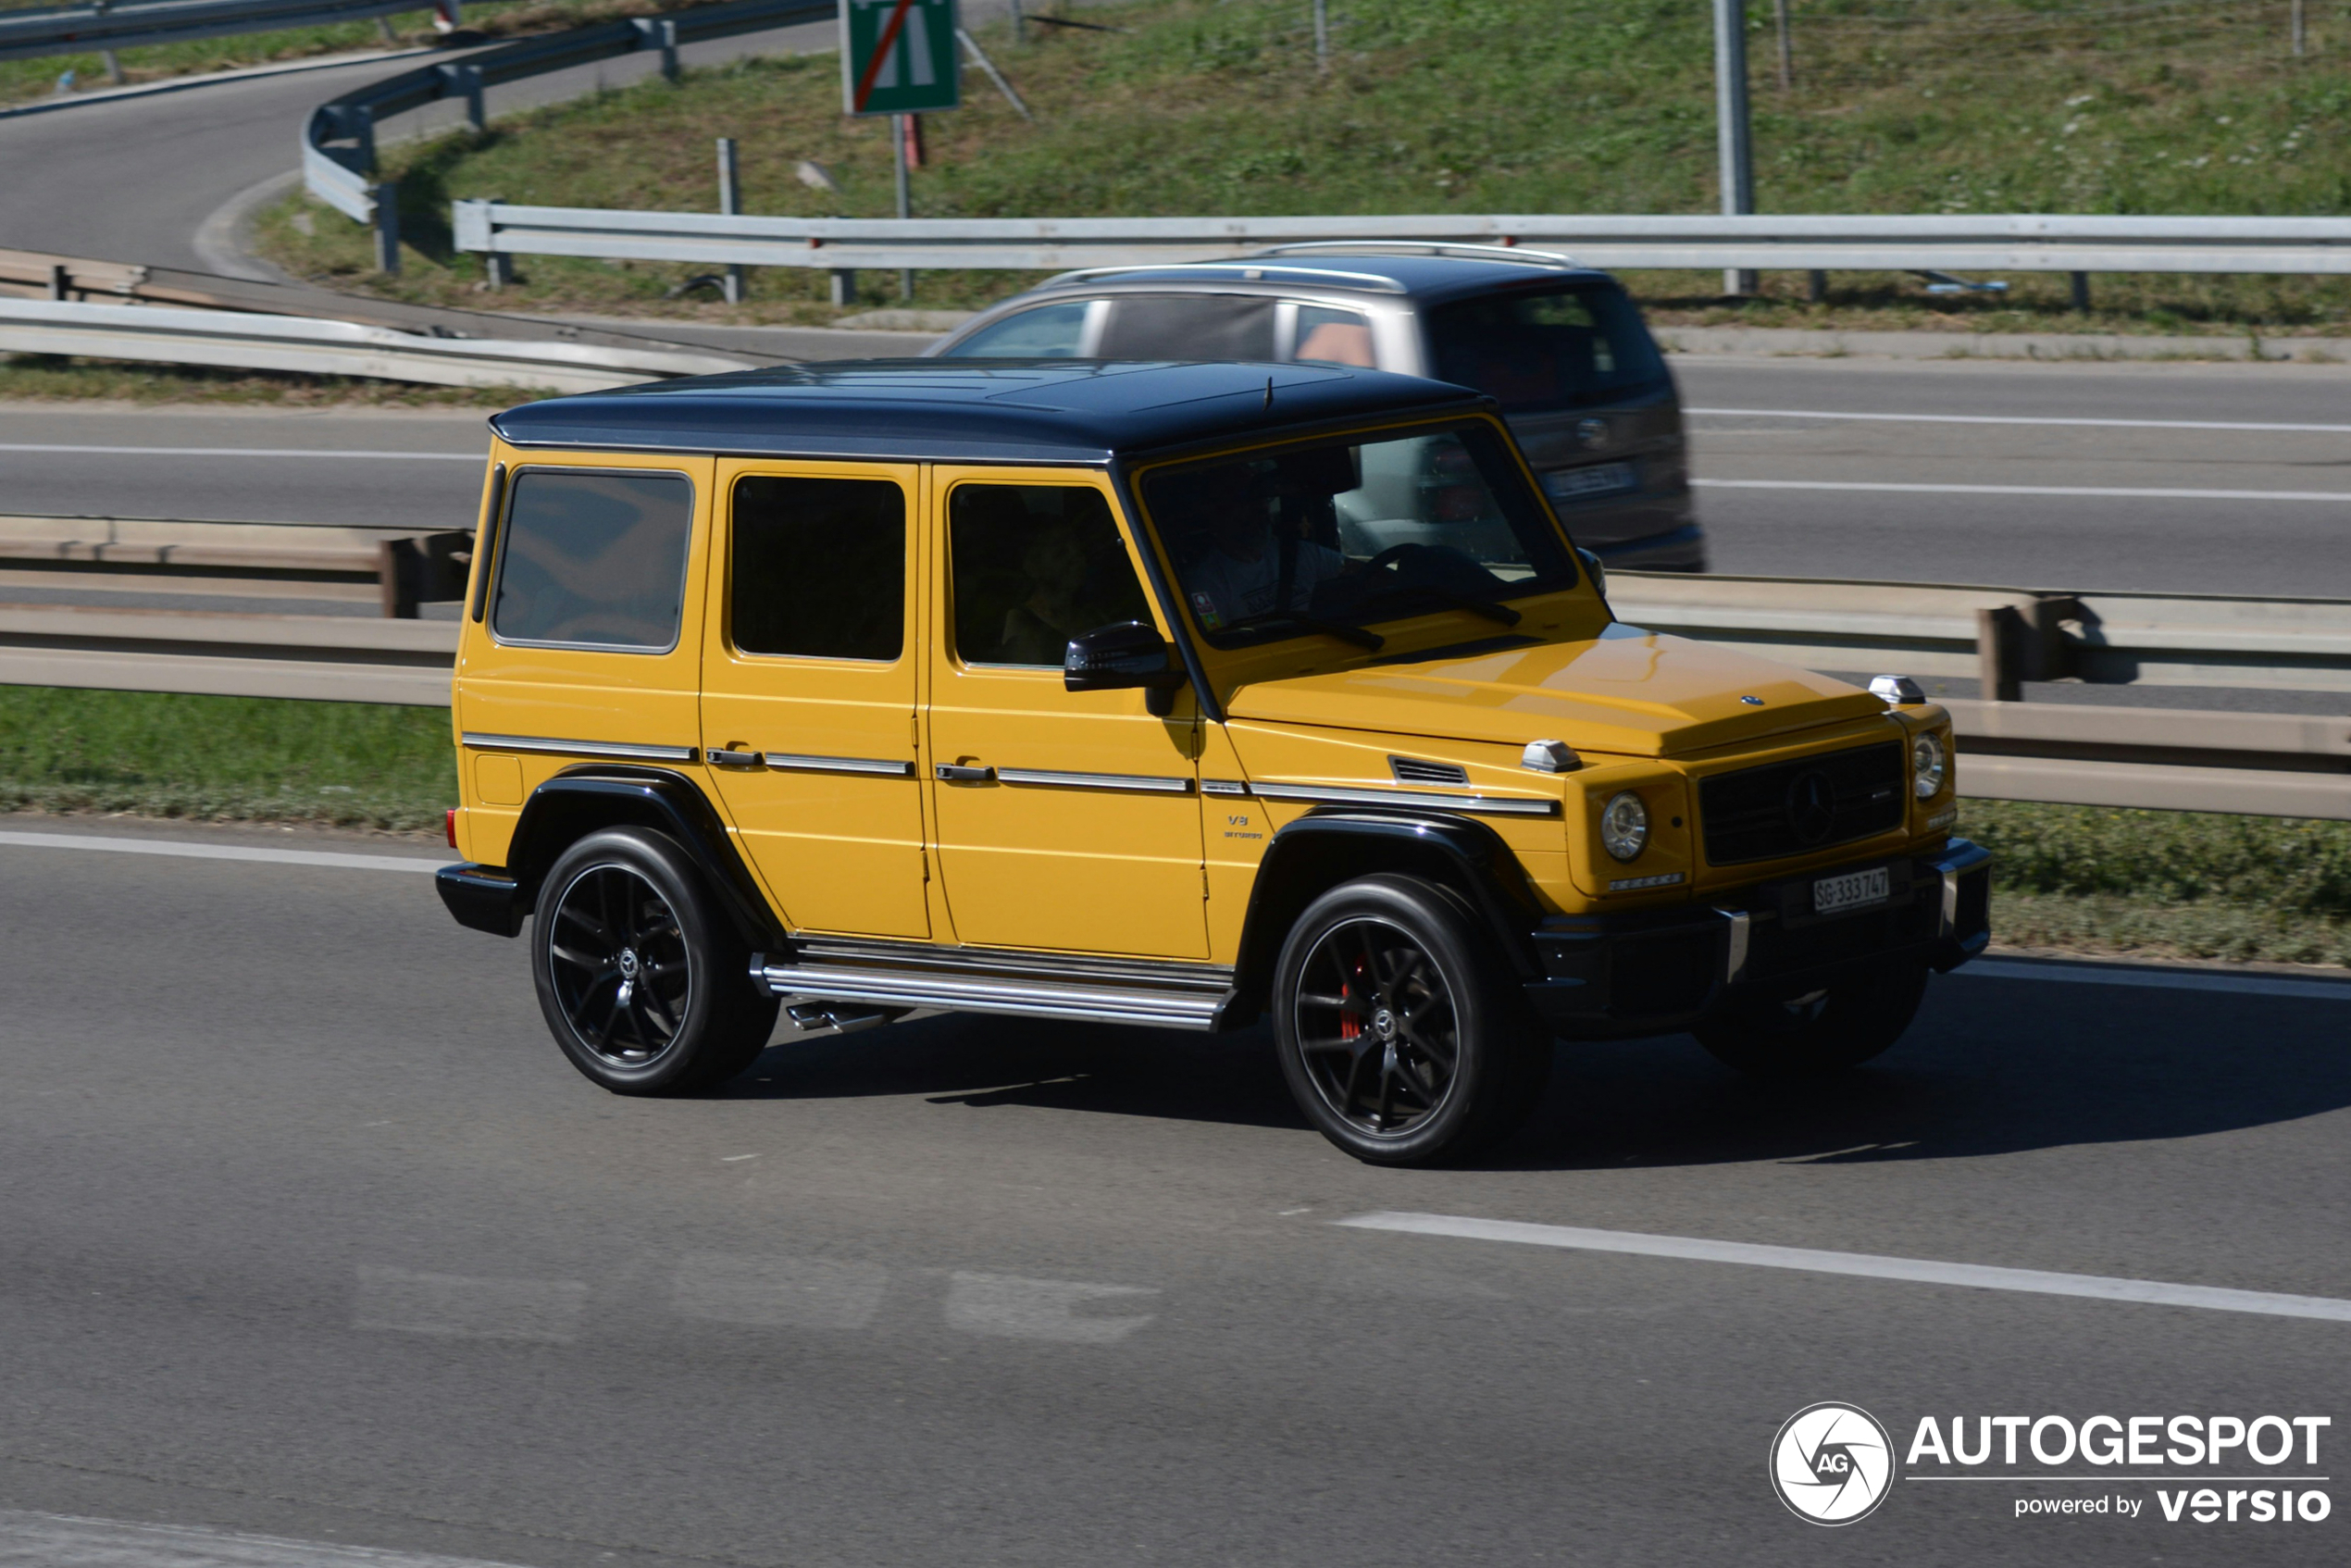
<point>732,759</point>
<point>947,772</point>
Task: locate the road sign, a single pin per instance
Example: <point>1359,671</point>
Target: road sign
<point>898,56</point>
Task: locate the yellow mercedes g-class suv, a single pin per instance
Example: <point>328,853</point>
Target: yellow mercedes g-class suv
<point>1169,694</point>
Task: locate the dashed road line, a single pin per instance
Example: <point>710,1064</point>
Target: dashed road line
<point>2023,420</point>
<point>1917,1271</point>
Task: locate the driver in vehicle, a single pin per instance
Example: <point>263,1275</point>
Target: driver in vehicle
<point>1242,572</point>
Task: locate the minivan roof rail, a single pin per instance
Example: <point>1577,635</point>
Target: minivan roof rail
<point>1427,248</point>
<point>1246,266</point>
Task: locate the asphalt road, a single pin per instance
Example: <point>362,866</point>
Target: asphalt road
<point>311,1233</point>
<point>2169,478</point>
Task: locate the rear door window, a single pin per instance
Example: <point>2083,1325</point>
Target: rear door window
<point>1555,348</point>
<point>595,558</point>
<point>1189,327</point>
<point>1050,331</point>
<point>819,567</point>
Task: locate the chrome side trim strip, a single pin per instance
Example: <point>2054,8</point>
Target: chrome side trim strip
<point>1484,805</point>
<point>618,751</point>
<point>1104,1004</point>
<point>794,763</point>
<point>1223,787</point>
<point>1094,781</point>
<point>1018,964</point>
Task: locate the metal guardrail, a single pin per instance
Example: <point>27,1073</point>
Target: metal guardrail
<point>78,30</point>
<point>2163,758</point>
<point>399,568</point>
<point>2028,243</point>
<point>339,139</point>
<point>246,339</point>
<point>42,275</point>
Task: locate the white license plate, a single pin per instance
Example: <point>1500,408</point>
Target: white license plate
<point>1850,892</point>
<point>1600,479</point>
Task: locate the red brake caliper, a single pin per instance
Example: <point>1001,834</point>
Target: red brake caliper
<point>1350,1022</point>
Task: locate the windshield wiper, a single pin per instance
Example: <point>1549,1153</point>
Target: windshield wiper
<point>1501,615</point>
<point>1355,634</point>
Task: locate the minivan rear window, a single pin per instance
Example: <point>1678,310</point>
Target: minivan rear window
<point>594,558</point>
<point>1555,348</point>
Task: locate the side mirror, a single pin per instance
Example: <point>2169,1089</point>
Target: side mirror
<point>1121,657</point>
<point>1592,564</point>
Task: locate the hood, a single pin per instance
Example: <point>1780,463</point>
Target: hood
<point>1627,692</point>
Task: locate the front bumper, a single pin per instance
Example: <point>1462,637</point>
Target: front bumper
<point>1661,970</point>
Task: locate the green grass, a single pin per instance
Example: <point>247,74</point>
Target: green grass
<point>49,378</point>
<point>1476,106</point>
<point>2080,878</point>
<point>350,764</point>
<point>21,81</point>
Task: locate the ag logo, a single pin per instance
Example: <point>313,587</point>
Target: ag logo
<point>1832,1464</point>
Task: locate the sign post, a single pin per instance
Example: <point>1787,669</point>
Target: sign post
<point>898,58</point>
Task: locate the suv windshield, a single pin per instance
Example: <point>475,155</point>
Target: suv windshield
<point>1561,348</point>
<point>1347,533</point>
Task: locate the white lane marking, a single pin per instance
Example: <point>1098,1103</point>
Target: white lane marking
<point>2123,491</point>
<point>185,850</point>
<point>2021,419</point>
<point>457,1307</point>
<point>57,1540</point>
<point>2161,979</point>
<point>67,450</point>
<point>1012,1308</point>
<point>779,1292</point>
<point>1920,1271</point>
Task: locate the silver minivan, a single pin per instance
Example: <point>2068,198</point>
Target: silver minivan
<point>1561,346</point>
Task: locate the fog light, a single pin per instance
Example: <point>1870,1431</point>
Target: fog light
<point>1625,826</point>
<point>1928,766</point>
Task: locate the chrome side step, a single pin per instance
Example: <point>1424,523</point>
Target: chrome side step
<point>1167,996</point>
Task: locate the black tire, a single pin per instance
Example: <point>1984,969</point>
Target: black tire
<point>644,982</point>
<point>1404,1042</point>
<point>1841,1025</point>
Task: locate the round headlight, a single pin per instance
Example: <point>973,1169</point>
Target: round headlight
<point>1625,826</point>
<point>1928,767</point>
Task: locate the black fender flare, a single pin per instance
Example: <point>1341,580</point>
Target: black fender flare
<point>580,800</point>
<point>1334,844</point>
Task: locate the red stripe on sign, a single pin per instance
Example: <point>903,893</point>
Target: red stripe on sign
<point>881,51</point>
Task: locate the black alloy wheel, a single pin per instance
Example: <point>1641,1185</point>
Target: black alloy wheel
<point>622,974</point>
<point>1402,1038</point>
<point>1376,1027</point>
<point>644,981</point>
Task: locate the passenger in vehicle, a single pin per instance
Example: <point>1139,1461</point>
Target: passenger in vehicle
<point>1247,564</point>
<point>1038,630</point>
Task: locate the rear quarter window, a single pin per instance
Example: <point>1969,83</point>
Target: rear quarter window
<point>594,558</point>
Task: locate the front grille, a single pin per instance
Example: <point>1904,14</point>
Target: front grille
<point>1791,808</point>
